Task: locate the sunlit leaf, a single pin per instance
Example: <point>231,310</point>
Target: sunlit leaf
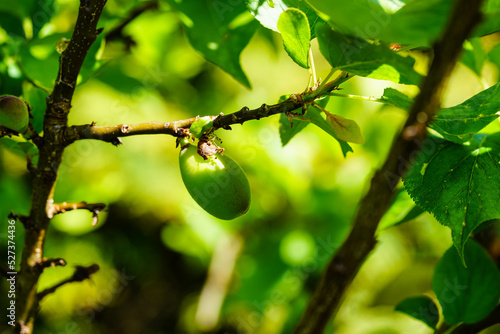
<point>36,98</point>
<point>268,12</point>
<point>200,126</point>
<point>345,129</point>
<point>23,149</point>
<point>219,31</point>
<point>415,23</point>
<point>474,56</point>
<point>466,294</point>
<point>40,12</point>
<point>290,126</point>
<point>317,119</point>
<point>40,60</point>
<point>459,184</point>
<point>494,55</point>
<point>359,57</point>
<point>460,122</point>
<point>421,308</point>
<point>402,210</point>
<point>294,28</point>
<point>396,98</point>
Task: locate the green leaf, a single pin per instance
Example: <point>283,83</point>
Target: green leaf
<point>40,12</point>
<point>200,126</point>
<point>460,122</point>
<point>466,294</point>
<point>12,24</point>
<point>459,184</point>
<point>219,30</point>
<point>490,22</point>
<point>494,56</point>
<point>317,119</point>
<point>421,308</point>
<point>289,127</point>
<point>36,98</point>
<point>359,57</point>
<point>416,23</point>
<point>402,210</point>
<point>396,98</point>
<point>345,129</point>
<point>268,12</point>
<point>491,5</point>
<point>352,17</point>
<point>40,60</point>
<point>474,56</point>
<point>23,149</point>
<point>294,28</point>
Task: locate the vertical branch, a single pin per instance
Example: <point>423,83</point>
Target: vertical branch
<point>345,264</point>
<point>51,150</point>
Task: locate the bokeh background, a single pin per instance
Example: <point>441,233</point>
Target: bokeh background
<point>166,265</point>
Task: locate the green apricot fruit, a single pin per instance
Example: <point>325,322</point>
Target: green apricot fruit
<point>14,113</point>
<point>217,184</point>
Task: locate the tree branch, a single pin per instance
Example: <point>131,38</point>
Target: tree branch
<point>112,133</point>
<point>117,32</point>
<point>94,208</point>
<point>63,207</point>
<point>345,264</point>
<point>51,149</point>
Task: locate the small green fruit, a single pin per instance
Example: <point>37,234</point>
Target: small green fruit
<point>217,184</point>
<point>14,113</point>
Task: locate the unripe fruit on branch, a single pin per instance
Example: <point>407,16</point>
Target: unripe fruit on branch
<point>217,184</point>
<point>14,113</point>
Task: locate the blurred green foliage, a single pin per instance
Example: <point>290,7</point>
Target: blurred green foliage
<point>154,244</point>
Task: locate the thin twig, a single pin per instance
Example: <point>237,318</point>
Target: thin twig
<point>80,274</point>
<point>358,97</point>
<point>117,32</point>
<point>344,265</point>
<point>94,208</point>
<point>57,208</point>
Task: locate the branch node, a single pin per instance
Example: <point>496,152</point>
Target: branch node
<point>125,128</point>
<point>81,273</point>
<point>116,141</point>
<point>25,220</point>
